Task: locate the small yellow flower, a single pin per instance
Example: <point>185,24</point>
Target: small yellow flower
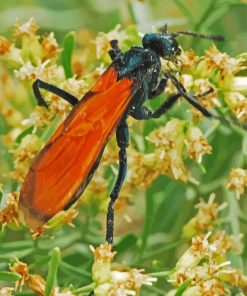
<point>4,45</point>
<point>197,144</point>
<point>62,218</point>
<point>113,282</point>
<point>103,40</point>
<point>24,154</point>
<point>50,46</point>
<point>30,72</point>
<point>203,220</point>
<point>77,87</point>
<point>9,214</point>
<point>237,181</point>
<point>22,269</point>
<point>237,103</point>
<point>6,291</point>
<point>29,28</point>
<point>37,284</point>
<point>222,61</point>
<point>34,281</point>
<point>39,117</point>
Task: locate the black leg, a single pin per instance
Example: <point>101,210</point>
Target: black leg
<point>193,101</point>
<point>142,112</point>
<point>123,142</point>
<point>115,50</point>
<point>53,89</point>
<point>159,89</point>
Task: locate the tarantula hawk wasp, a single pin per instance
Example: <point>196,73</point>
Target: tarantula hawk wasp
<point>64,167</point>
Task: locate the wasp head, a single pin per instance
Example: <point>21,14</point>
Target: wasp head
<point>163,44</point>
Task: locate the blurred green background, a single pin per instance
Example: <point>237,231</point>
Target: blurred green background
<point>219,16</point>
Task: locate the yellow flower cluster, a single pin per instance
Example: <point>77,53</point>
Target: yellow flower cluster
<point>204,266</point>
<point>205,218</point>
<point>34,282</point>
<point>9,214</point>
<point>24,154</point>
<point>110,282</point>
<point>216,71</point>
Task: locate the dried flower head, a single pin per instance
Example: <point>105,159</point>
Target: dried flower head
<point>37,284</point>
<point>34,281</point>
<point>22,269</point>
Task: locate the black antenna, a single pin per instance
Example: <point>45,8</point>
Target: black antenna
<point>164,29</point>
<point>210,37</point>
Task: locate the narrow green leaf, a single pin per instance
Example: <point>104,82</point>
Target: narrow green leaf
<point>52,272</point>
<point>182,288</point>
<point>183,7</point>
<point>42,261</point>
<point>66,267</point>
<point>148,219</point>
<point>16,253</point>
<point>125,243</point>
<point>26,132</point>
<point>16,245</point>
<point>66,56</point>
<point>7,276</point>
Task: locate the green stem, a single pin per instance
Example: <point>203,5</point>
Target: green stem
<point>161,274</point>
<point>52,272</point>
<point>205,15</point>
<point>85,289</point>
<point>184,10</point>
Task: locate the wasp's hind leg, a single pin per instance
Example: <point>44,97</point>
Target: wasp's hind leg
<point>122,135</point>
<point>53,89</point>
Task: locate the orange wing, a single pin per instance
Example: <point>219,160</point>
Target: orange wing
<point>60,171</point>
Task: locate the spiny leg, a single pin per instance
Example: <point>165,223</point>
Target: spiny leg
<point>194,102</point>
<point>122,135</point>
<point>53,89</point>
<point>142,112</point>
